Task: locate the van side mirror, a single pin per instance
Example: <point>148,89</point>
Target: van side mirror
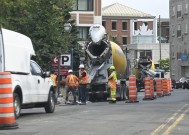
<point>46,74</point>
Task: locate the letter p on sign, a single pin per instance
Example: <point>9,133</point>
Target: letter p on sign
<point>66,60</point>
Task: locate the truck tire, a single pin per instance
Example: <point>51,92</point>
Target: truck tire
<point>17,105</point>
<point>50,105</point>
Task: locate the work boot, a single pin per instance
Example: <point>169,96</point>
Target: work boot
<point>112,102</point>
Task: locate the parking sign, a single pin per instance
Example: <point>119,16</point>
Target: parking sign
<point>65,60</point>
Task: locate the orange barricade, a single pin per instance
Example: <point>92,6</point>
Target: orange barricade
<point>7,118</point>
<point>149,88</point>
<point>166,87</point>
<point>170,84</point>
<point>159,90</point>
<point>132,89</point>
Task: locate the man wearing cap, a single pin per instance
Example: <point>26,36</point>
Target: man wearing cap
<point>83,82</point>
<point>72,82</point>
<point>112,81</point>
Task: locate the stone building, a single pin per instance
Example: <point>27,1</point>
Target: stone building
<point>179,38</point>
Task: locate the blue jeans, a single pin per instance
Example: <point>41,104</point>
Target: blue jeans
<point>82,92</point>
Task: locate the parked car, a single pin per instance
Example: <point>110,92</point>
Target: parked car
<point>173,81</point>
<point>182,83</point>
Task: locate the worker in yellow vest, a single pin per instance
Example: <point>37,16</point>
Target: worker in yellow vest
<point>72,82</point>
<point>53,77</point>
<point>112,81</point>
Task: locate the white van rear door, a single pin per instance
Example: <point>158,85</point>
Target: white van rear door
<point>1,53</point>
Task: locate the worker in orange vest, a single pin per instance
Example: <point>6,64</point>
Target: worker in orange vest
<point>72,82</point>
<point>112,81</point>
<point>83,82</point>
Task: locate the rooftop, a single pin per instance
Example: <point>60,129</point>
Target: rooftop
<point>118,9</point>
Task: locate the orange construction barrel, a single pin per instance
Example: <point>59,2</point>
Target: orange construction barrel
<point>7,118</point>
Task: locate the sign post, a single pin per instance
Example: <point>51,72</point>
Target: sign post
<point>61,64</point>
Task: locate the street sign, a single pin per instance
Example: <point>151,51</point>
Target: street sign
<point>65,64</point>
<point>184,57</point>
<point>65,60</point>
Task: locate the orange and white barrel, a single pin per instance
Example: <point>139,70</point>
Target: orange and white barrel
<point>132,88</point>
<point>159,90</point>
<point>148,93</point>
<point>166,87</point>
<point>7,118</point>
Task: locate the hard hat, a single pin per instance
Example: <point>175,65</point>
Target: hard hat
<point>112,67</point>
<point>81,66</point>
<point>70,71</point>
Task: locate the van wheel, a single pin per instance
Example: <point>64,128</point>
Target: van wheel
<point>17,106</point>
<point>50,105</point>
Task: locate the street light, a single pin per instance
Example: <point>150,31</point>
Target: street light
<point>67,28</point>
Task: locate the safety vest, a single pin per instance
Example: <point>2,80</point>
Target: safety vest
<point>84,80</point>
<point>72,80</point>
<point>53,78</point>
<point>113,80</point>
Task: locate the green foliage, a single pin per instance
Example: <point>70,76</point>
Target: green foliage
<point>43,21</point>
<point>165,64</point>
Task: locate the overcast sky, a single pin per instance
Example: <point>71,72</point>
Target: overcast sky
<point>153,7</point>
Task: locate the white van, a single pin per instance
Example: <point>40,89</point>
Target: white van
<point>31,86</point>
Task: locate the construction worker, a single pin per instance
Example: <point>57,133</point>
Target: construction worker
<point>83,82</point>
<point>112,84</point>
<point>72,82</point>
<point>53,77</point>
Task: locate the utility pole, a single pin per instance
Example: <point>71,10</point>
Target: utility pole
<point>159,41</point>
<point>58,88</point>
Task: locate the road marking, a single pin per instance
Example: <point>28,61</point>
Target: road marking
<point>158,130</point>
<point>168,131</point>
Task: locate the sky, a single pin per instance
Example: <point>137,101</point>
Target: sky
<point>153,7</point>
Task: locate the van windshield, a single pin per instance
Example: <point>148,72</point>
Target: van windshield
<point>1,52</point>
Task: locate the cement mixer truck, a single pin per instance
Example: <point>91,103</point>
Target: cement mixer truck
<point>100,55</point>
<point>144,67</point>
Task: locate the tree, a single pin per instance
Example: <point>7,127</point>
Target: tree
<point>42,21</point>
<point>165,64</point>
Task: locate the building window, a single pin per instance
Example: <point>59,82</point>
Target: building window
<point>135,26</point>
<point>83,33</point>
<point>186,27</point>
<point>146,53</point>
<point>104,24</point>
<point>173,11</point>
<point>124,25</point>
<point>124,40</point>
<point>179,9</point>
<point>114,25</point>
<point>186,8</point>
<point>179,30</point>
<point>83,5</point>
<point>173,30</point>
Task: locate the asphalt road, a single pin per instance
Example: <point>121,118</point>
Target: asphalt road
<point>165,115</point>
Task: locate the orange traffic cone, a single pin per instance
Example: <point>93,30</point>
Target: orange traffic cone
<point>7,118</point>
